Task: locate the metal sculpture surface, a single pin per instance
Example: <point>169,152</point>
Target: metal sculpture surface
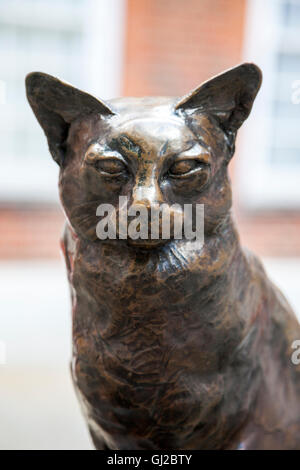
<point>173,348</point>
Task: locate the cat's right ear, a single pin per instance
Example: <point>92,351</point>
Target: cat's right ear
<point>56,105</point>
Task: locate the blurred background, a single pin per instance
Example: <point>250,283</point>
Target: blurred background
<point>112,48</point>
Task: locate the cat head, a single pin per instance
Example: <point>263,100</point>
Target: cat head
<point>152,150</point>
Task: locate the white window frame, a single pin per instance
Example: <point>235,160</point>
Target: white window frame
<point>260,184</point>
<point>35,181</point>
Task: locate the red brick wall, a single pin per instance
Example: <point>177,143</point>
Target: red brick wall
<point>271,234</point>
<point>173,45</point>
<point>30,233</point>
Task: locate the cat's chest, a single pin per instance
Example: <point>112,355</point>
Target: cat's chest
<point>146,314</point>
<point>158,292</point>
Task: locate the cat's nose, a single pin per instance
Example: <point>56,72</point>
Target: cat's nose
<point>147,196</point>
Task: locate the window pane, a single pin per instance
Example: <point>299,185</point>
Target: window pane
<point>284,156</point>
<point>291,14</point>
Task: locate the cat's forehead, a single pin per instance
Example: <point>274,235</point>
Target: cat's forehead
<point>149,118</point>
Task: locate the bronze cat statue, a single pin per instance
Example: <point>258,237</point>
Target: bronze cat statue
<point>173,348</point>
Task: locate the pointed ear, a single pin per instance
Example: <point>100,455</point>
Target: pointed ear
<point>228,97</point>
<point>56,104</point>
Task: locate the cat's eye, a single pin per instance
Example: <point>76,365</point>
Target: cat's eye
<point>182,167</point>
<point>110,166</point>
<point>186,168</point>
<point>107,165</point>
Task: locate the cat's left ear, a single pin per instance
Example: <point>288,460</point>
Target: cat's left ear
<point>228,97</point>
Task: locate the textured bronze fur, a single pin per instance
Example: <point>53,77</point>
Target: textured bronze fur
<point>172,348</point>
